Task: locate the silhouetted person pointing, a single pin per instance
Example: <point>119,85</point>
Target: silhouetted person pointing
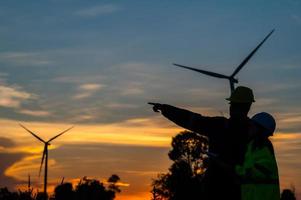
<point>228,138</point>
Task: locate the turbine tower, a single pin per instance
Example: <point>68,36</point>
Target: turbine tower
<point>231,78</point>
<point>45,153</point>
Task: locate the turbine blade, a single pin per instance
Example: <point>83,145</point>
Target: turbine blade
<point>32,133</point>
<point>251,54</point>
<point>203,71</point>
<point>60,134</point>
<point>43,158</point>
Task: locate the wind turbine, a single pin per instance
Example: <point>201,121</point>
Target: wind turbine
<point>231,78</point>
<point>45,153</point>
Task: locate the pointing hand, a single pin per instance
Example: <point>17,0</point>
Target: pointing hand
<point>156,106</point>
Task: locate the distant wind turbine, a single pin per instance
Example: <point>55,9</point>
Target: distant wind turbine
<point>231,78</point>
<point>45,153</point>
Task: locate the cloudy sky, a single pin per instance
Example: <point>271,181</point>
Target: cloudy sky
<point>95,65</point>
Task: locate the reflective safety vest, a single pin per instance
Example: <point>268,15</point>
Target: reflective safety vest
<point>259,173</point>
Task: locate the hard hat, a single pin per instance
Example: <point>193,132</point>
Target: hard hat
<point>242,95</point>
<point>266,120</point>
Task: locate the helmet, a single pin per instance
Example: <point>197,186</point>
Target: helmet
<point>241,95</point>
<point>266,120</point>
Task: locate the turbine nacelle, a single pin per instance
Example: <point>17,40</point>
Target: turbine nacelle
<point>234,80</point>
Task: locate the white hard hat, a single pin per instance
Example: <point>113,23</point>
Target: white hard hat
<point>266,120</point>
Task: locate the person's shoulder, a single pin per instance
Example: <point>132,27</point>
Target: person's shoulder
<point>263,143</point>
<point>269,145</point>
<point>220,120</point>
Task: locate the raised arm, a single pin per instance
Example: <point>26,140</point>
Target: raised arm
<point>189,120</point>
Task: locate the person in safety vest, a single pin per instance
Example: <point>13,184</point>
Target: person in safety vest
<point>228,138</point>
<point>259,171</point>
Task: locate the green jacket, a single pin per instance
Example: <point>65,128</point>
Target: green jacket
<point>259,172</point>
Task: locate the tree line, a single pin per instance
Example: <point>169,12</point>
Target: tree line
<point>85,189</point>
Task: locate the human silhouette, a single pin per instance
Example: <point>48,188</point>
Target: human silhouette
<point>258,174</point>
<point>259,171</point>
<point>228,139</point>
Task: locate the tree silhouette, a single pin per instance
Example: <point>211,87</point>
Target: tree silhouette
<point>113,187</point>
<point>183,181</point>
<point>26,195</point>
<point>86,189</point>
<point>41,196</point>
<point>90,189</point>
<point>5,194</point>
<point>64,191</point>
<point>288,194</point>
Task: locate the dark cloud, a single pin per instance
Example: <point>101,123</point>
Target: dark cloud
<point>7,159</point>
<point>6,142</point>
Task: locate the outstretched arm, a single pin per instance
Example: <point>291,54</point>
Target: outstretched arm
<point>187,119</point>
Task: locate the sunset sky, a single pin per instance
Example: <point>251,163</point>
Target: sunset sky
<point>96,64</point>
